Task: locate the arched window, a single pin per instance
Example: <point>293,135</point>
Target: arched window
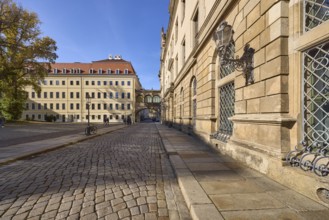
<point>156,99</point>
<point>148,99</point>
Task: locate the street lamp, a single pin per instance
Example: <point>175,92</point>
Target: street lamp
<point>223,37</point>
<point>88,108</point>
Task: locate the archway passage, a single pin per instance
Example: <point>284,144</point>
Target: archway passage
<point>148,105</point>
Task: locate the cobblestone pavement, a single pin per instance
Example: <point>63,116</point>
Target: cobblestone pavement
<point>122,175</point>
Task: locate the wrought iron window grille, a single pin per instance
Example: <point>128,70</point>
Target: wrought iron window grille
<point>316,94</point>
<point>315,12</point>
<point>312,154</point>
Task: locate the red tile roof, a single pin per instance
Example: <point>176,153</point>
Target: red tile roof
<point>104,65</point>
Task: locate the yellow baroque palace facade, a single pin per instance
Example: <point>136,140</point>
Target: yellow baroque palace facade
<point>110,83</point>
<point>259,111</point>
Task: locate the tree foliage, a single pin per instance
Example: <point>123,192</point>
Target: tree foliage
<point>25,56</point>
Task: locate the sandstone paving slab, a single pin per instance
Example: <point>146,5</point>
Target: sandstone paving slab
<point>268,184</point>
<point>206,166</point>
<point>205,212</point>
<point>245,201</point>
<point>244,171</point>
<point>230,187</point>
<point>177,162</point>
<point>297,201</point>
<point>200,153</point>
<point>315,214</point>
<point>184,148</point>
<point>217,175</point>
<point>191,189</point>
<point>170,149</point>
<point>267,214</point>
<point>239,193</point>
<point>201,160</point>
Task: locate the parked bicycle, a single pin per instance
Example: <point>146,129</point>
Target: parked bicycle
<point>92,129</point>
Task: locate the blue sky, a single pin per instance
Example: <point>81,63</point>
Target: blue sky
<point>89,30</point>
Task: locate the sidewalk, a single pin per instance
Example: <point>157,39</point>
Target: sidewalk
<point>217,187</point>
<point>19,151</point>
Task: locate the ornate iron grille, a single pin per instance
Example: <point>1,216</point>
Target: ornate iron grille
<point>227,98</point>
<point>194,87</point>
<point>316,94</point>
<point>316,12</point>
<point>194,103</point>
<point>194,112</point>
<point>228,68</point>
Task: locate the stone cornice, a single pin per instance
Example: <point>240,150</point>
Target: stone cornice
<point>276,119</point>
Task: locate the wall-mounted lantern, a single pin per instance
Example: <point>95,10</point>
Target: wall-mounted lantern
<point>223,37</point>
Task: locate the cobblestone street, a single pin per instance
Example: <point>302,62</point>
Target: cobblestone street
<point>122,175</point>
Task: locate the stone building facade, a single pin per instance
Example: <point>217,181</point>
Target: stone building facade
<point>111,84</point>
<point>288,101</point>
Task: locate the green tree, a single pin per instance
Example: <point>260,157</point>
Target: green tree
<point>25,57</point>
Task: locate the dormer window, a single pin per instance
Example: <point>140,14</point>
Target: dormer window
<point>72,71</point>
<point>55,70</point>
<point>78,70</point>
<point>126,71</point>
<point>100,71</point>
<point>91,71</point>
<point>109,71</point>
<point>64,70</point>
<point>117,71</point>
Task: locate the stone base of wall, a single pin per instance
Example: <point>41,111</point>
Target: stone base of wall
<point>306,183</point>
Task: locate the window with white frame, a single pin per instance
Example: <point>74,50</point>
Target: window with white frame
<point>100,71</point>
<point>156,99</point>
<point>109,71</point>
<point>195,28</point>
<point>176,30</point>
<point>183,9</point>
<point>183,51</point>
<point>148,99</point>
<point>117,71</point>
<point>176,66</point>
<point>126,71</point>
<point>91,71</point>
